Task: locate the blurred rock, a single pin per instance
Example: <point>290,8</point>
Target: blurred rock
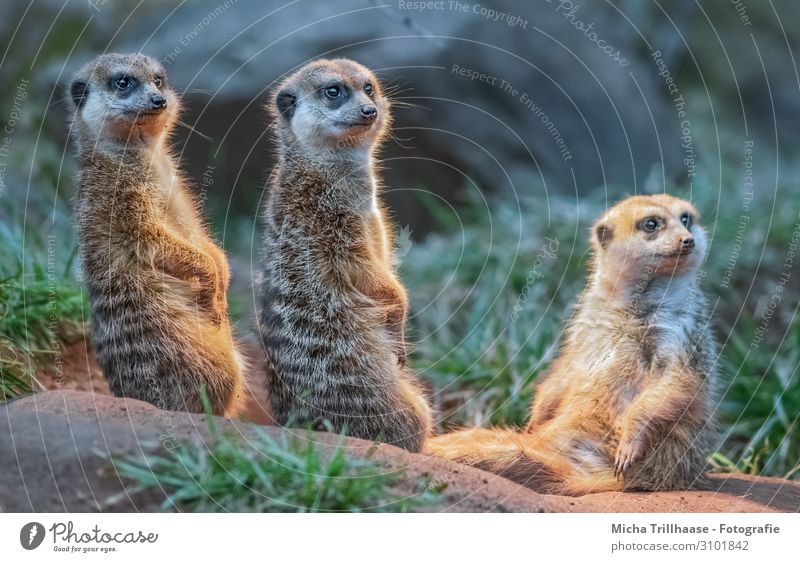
<point>547,80</point>
<point>572,118</point>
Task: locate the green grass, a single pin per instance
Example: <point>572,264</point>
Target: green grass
<point>41,304</point>
<point>490,295</point>
<point>481,358</point>
<point>42,313</point>
<point>761,408</point>
<point>15,379</point>
<point>40,307</point>
<point>267,474</point>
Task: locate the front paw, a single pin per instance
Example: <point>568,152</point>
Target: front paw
<point>222,304</point>
<point>629,451</point>
<point>208,307</point>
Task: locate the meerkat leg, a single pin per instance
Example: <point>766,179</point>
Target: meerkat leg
<point>657,408</point>
<point>548,398</point>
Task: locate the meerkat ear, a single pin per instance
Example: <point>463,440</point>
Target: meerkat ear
<point>604,235</point>
<point>286,102</point>
<point>78,91</point>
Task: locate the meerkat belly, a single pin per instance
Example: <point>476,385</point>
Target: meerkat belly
<point>602,389</point>
<point>323,343</point>
<point>323,326</point>
<point>142,323</point>
<point>585,427</point>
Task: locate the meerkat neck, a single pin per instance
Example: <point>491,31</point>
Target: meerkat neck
<point>345,159</point>
<point>643,296</point>
<point>154,159</point>
<point>348,175</point>
<point>145,146</point>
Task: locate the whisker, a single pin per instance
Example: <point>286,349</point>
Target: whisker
<point>406,104</point>
<point>192,129</point>
<point>62,102</point>
<point>399,141</point>
<point>197,91</point>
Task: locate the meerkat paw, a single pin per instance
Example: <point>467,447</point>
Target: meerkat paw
<point>629,451</point>
<point>211,313</point>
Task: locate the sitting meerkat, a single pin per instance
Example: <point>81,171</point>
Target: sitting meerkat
<point>155,278</point>
<point>332,310</point>
<point>629,403</point>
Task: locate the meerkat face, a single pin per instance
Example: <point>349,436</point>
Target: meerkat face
<point>123,98</point>
<point>332,104</point>
<point>655,235</point>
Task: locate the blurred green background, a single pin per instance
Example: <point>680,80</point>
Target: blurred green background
<point>520,124</point>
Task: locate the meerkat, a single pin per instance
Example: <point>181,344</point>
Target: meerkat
<point>332,309</point>
<point>629,403</point>
<point>156,280</point>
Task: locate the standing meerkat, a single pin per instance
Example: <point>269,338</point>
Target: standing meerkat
<point>156,280</point>
<point>629,403</point>
<point>331,307</point>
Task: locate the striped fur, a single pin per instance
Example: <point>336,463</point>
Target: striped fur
<point>331,307</point>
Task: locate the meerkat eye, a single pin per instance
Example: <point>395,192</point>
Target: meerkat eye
<point>686,220</point>
<point>333,92</point>
<point>157,81</point>
<point>368,88</point>
<point>123,83</point>
<point>650,224</point>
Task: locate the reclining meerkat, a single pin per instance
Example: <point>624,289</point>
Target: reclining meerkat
<point>155,278</point>
<point>629,403</point>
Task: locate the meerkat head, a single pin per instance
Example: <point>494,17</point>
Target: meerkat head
<point>649,235</point>
<point>123,98</point>
<point>332,105</point>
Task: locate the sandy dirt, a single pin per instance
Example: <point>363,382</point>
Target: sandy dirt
<point>52,445</point>
<point>77,369</point>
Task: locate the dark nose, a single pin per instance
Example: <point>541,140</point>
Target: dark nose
<point>369,111</point>
<point>688,242</point>
<point>157,101</point>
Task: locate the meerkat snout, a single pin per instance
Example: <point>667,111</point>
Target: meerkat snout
<point>369,112</point>
<point>158,102</point>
